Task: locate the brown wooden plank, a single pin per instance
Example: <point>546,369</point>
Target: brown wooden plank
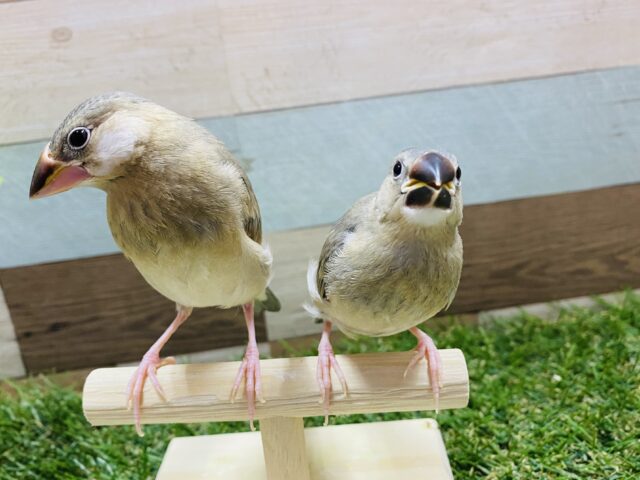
<point>100,311</point>
<point>547,248</point>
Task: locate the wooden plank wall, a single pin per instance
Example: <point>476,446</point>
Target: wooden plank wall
<point>253,64</point>
<point>99,310</point>
<point>223,57</point>
<point>513,140</point>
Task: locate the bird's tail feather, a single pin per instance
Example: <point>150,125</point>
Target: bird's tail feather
<point>312,307</point>
<point>268,302</point>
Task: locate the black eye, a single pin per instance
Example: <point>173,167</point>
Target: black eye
<point>458,173</point>
<point>78,138</point>
<point>397,168</point>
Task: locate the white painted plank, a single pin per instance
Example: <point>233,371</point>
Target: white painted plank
<point>292,251</point>
<point>55,54</point>
<point>301,53</point>
<point>216,58</point>
<point>11,364</point>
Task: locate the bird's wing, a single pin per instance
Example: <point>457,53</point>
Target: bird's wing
<point>251,213</point>
<point>338,235</point>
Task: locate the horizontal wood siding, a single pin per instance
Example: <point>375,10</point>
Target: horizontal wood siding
<point>210,58</point>
<point>308,165</point>
<point>548,248</point>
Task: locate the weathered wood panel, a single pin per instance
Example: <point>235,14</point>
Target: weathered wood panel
<point>301,53</point>
<point>308,165</point>
<point>100,311</point>
<point>209,58</point>
<point>55,54</point>
<point>548,248</point>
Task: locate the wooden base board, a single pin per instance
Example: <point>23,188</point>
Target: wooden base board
<point>405,449</point>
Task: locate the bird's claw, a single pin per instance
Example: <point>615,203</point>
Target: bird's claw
<point>427,349</point>
<point>249,371</point>
<point>327,361</point>
<point>147,369</point>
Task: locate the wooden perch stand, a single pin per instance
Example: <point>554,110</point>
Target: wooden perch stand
<point>200,393</point>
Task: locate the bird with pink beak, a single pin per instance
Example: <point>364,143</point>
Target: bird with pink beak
<point>181,209</point>
<point>53,176</point>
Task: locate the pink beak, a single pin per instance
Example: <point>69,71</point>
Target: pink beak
<point>52,176</point>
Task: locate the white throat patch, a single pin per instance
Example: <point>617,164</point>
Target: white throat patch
<point>425,216</point>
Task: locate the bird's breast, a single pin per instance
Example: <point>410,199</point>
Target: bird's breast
<point>205,276</point>
<point>390,289</point>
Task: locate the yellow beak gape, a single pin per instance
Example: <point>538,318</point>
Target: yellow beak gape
<point>412,184</point>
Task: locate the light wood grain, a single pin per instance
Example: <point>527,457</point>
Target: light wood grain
<point>218,58</point>
<point>284,448</point>
<point>399,450</point>
<point>301,53</point>
<point>200,392</point>
<point>55,54</point>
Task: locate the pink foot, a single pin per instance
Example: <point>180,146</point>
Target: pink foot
<point>427,349</point>
<point>149,364</point>
<point>147,368</point>
<point>327,361</point>
<point>249,370</point>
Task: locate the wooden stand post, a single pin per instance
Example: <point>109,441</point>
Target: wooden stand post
<point>284,450</point>
<point>284,447</point>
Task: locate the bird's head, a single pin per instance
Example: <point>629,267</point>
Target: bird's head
<point>93,144</point>
<point>424,188</point>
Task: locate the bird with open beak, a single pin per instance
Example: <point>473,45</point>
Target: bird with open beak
<point>391,262</point>
<point>179,206</point>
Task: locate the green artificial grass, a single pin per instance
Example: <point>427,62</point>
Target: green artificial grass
<point>548,400</point>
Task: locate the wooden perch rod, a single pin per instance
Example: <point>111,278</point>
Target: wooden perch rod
<point>200,392</point>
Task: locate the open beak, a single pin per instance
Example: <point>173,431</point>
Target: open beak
<point>52,176</point>
<point>430,182</point>
<point>414,184</point>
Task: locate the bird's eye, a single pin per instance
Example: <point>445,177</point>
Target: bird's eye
<point>78,138</point>
<point>458,173</point>
<point>397,169</point>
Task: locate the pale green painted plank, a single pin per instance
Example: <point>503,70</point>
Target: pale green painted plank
<point>69,225</point>
<point>513,140</point>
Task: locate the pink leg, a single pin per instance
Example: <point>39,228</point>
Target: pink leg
<point>151,361</point>
<point>250,368</point>
<point>426,348</point>
<point>326,361</point>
